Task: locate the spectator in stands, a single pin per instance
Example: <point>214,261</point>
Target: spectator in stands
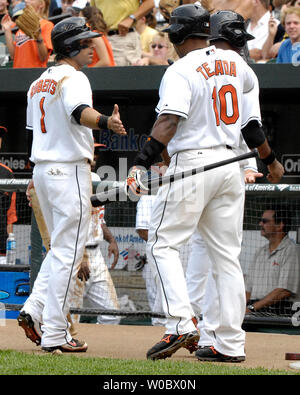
<point>63,9</point>
<point>120,17</point>
<point>25,51</point>
<point>162,52</point>
<point>8,213</point>
<point>289,51</point>
<point>3,8</point>
<point>146,27</point>
<point>103,53</point>
<point>272,283</point>
<point>259,28</point>
<point>276,34</point>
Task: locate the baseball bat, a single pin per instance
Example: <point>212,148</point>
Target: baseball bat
<point>102,198</point>
<point>35,204</point>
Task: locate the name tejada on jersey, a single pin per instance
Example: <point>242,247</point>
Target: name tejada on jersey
<point>221,67</point>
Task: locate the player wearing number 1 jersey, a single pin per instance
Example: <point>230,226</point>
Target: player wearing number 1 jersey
<point>61,116</point>
<point>199,121</point>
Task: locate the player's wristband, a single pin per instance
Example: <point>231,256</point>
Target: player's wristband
<point>149,153</point>
<point>269,159</point>
<point>102,121</point>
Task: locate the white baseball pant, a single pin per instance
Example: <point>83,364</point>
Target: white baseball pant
<point>213,202</point>
<point>202,290</point>
<point>64,191</point>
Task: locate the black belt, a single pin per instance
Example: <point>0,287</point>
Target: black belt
<point>113,32</point>
<point>228,146</point>
<point>92,247</point>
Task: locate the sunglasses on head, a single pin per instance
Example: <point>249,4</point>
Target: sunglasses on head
<point>159,46</point>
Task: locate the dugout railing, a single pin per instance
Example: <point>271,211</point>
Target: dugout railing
<point>128,278</point>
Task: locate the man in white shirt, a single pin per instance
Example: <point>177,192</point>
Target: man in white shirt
<point>259,28</point>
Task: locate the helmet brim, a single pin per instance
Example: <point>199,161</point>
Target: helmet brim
<point>249,37</point>
<point>82,36</point>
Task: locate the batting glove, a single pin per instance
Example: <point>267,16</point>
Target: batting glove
<point>134,181</point>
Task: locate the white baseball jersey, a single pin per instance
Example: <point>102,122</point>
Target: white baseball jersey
<point>51,99</point>
<point>216,79</point>
<point>143,211</point>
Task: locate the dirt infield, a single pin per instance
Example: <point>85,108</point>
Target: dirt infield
<point>265,350</point>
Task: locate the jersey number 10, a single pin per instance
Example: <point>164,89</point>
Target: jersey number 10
<point>222,113</point>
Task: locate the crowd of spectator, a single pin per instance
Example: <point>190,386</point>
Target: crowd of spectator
<point>132,31</point>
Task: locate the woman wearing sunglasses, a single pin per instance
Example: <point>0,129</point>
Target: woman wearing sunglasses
<point>161,52</point>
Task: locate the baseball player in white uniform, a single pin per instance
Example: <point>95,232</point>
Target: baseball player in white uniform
<point>94,286</point>
<point>200,106</point>
<point>61,116</point>
<point>227,29</point>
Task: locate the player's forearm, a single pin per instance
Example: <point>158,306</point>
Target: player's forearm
<point>107,235</point>
<point>165,128</point>
<point>264,150</point>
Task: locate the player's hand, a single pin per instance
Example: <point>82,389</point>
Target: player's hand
<point>113,250</point>
<point>84,270</point>
<point>250,176</point>
<point>29,187</point>
<point>276,172</point>
<point>134,181</point>
<point>114,122</point>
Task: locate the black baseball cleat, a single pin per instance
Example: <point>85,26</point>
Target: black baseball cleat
<point>72,346</point>
<point>210,354</point>
<point>31,327</point>
<point>169,344</point>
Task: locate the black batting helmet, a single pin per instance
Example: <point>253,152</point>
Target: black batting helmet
<point>66,36</point>
<point>186,21</point>
<point>229,26</point>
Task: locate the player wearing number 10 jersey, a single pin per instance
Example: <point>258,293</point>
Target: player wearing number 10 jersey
<point>199,122</point>
<point>216,80</point>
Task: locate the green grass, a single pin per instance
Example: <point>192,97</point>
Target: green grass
<point>17,363</point>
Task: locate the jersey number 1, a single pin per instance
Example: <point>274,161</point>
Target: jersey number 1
<point>222,112</point>
<point>43,126</point>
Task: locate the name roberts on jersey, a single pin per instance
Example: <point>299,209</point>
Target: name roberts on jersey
<point>47,85</point>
